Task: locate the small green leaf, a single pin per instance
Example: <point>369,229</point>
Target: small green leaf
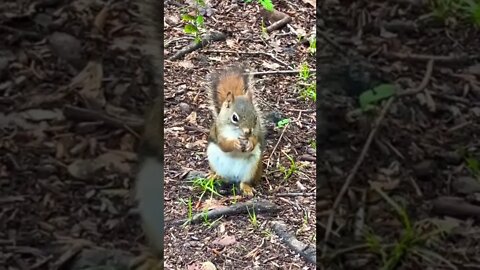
<point>190,29</point>
<point>199,20</point>
<point>376,94</point>
<point>282,123</point>
<point>267,4</point>
<point>188,18</point>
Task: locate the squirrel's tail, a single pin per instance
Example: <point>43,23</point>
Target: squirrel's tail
<point>151,21</point>
<point>149,183</point>
<point>231,80</point>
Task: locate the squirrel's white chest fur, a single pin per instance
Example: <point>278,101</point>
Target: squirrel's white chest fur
<point>233,167</point>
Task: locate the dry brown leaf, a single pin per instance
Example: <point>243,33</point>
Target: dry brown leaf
<point>313,3</point>
<point>186,64</point>
<point>192,118</point>
<point>100,19</point>
<point>208,266</point>
<point>89,81</point>
<point>226,240</point>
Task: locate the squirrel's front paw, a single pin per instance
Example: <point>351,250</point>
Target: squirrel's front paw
<point>246,144</point>
<point>238,145</point>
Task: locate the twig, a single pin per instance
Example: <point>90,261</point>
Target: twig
<point>259,206</point>
<point>295,194</point>
<point>251,53</point>
<point>279,24</point>
<point>333,43</point>
<point>365,149</point>
<point>437,58</point>
<point>91,115</point>
<point>276,72</point>
<point>213,36</point>
<point>424,82</point>
<point>305,250</point>
<point>276,145</point>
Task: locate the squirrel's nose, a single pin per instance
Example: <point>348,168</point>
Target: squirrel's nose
<point>247,131</point>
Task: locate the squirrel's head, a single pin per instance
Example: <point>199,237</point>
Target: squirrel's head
<point>239,113</point>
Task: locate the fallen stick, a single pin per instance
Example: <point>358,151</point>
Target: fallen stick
<point>260,206</point>
<point>279,24</point>
<point>455,207</point>
<point>213,36</point>
<point>296,194</point>
<point>437,58</point>
<point>306,251</point>
<point>83,114</point>
<point>277,72</point>
<point>365,149</point>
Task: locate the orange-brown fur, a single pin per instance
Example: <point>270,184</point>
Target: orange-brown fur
<point>231,83</point>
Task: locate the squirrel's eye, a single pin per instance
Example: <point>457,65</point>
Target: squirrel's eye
<point>234,118</point>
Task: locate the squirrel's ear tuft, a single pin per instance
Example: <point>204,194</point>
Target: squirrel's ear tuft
<point>229,99</point>
<point>249,95</point>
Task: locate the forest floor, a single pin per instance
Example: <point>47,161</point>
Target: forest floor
<point>403,176</point>
<point>73,92</point>
<point>238,242</point>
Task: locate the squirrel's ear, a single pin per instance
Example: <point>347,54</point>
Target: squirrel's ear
<point>229,99</point>
<point>249,95</point>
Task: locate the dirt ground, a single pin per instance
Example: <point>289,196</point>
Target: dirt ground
<point>424,153</point>
<point>73,91</point>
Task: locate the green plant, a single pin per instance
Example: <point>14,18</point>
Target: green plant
<point>304,72</point>
<point>313,144</point>
<point>206,184</point>
<point>471,10</point>
<point>442,8</point>
<point>234,192</point>
<point>283,123</point>
<point>309,90</point>
<point>287,173</point>
<point>473,165</point>
<point>267,5</point>
<point>465,9</point>
<point>189,211</point>
<point>370,97</point>
<point>253,217</point>
<point>195,23</point>
<point>312,49</point>
<point>410,242</point>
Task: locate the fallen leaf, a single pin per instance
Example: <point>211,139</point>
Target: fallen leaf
<point>83,168</point>
<point>89,80</point>
<point>208,266</point>
<point>41,115</point>
<point>313,3</point>
<point>186,64</point>
<point>226,240</point>
<point>271,66</point>
<point>192,118</point>
<point>100,19</point>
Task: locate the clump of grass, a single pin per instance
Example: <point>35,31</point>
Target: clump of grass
<point>462,9</point>
<point>206,185</point>
<point>410,243</point>
<point>253,218</point>
<point>293,167</point>
<point>309,87</point>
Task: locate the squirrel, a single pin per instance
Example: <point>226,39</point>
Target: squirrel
<point>149,186</point>
<point>237,137</point>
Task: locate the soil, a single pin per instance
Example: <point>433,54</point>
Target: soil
<point>424,154</point>
<point>73,92</point>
